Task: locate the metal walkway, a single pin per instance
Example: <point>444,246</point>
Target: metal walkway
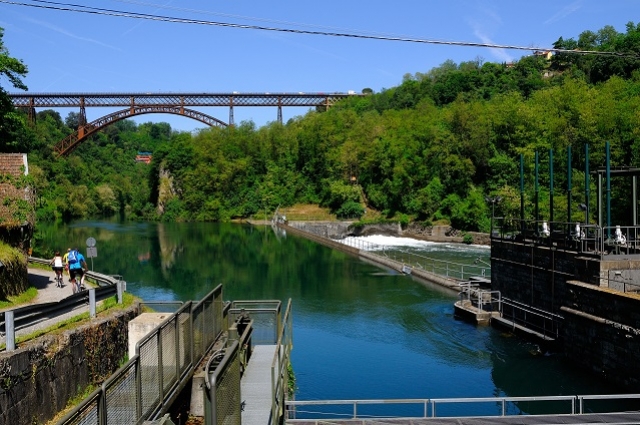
<point>256,386</point>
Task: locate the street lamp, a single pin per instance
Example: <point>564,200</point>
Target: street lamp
<point>493,200</point>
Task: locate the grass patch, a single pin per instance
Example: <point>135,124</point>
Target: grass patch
<point>307,212</point>
<point>23,298</point>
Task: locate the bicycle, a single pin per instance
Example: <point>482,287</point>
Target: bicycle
<point>58,279</point>
<point>77,286</point>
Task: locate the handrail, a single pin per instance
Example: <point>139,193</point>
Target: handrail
<point>29,315</point>
<point>430,405</point>
<point>279,368</point>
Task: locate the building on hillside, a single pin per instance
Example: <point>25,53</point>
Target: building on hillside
<point>144,157</point>
<point>17,202</point>
<point>547,54</point>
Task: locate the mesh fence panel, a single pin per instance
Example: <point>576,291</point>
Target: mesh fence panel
<point>121,397</point>
<point>209,321</point>
<point>198,334</point>
<point>87,415</point>
<point>228,402</point>
<point>184,342</point>
<point>150,377</point>
<point>169,361</point>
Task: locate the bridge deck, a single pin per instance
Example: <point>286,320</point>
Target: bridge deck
<point>593,418</point>
<point>255,386</point>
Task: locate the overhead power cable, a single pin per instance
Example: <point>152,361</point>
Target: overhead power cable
<point>67,7</point>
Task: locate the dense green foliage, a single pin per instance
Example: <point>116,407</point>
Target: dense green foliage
<point>429,149</point>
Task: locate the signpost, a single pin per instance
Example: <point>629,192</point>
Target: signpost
<point>92,251</point>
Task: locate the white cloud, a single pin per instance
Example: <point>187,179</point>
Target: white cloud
<point>501,54</point>
<point>564,12</point>
<point>71,35</point>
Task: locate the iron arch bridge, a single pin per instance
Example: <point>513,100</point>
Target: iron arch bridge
<point>172,103</point>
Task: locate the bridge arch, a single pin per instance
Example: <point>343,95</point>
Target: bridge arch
<point>72,141</point>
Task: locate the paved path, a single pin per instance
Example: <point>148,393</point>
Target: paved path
<point>43,281</point>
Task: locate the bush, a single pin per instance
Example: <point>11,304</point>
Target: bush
<point>350,209</point>
<point>468,239</point>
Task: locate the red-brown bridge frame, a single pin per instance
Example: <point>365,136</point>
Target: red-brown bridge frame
<point>166,103</point>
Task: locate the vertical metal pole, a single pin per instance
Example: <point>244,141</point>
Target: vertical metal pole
<point>600,199</point>
<point>102,407</point>
<point>569,185</point>
<point>92,302</point>
<point>10,330</point>
<point>608,191</point>
<point>537,191</point>
<point>522,194</point>
<point>634,186</point>
<point>587,189</point>
<point>551,189</point>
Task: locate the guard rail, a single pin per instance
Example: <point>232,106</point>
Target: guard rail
<point>20,318</point>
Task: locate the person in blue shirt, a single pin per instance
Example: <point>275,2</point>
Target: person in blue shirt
<point>77,268</point>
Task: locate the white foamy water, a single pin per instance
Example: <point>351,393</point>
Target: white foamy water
<point>378,242</point>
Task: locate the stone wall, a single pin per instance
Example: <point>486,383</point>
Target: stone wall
<point>39,378</point>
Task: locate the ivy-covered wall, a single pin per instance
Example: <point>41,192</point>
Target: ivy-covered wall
<point>13,271</point>
<point>38,379</point>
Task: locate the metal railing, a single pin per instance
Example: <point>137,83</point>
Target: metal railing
<point>165,359</point>
<point>449,269</point>
<point>572,236</point>
<point>482,299</point>
<point>265,315</point>
<point>327,410</point>
<point>20,318</point>
<point>280,368</point>
<point>540,321</point>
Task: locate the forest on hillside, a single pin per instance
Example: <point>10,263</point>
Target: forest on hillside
<point>431,149</point>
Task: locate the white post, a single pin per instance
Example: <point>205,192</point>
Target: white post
<point>119,290</point>
<point>92,302</point>
<point>10,331</point>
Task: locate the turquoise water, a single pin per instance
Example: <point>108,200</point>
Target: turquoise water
<point>360,331</point>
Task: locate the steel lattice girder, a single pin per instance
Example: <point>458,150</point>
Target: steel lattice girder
<point>55,100</point>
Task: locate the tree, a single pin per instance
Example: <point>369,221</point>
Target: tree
<point>13,137</point>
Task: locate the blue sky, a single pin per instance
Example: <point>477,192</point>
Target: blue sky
<point>78,52</point>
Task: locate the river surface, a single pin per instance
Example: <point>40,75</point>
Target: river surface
<point>359,331</point>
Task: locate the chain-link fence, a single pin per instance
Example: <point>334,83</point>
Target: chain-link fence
<point>164,361</point>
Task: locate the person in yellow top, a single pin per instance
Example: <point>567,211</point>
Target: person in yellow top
<point>65,260</point>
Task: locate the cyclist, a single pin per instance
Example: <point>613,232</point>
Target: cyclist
<point>65,261</point>
<point>77,268</point>
<point>56,265</point>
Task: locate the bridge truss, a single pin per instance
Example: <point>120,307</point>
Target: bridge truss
<point>172,103</point>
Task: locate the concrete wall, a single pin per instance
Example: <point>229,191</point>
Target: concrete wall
<point>536,275</point>
<point>41,376</point>
<point>599,326</point>
<point>601,333</point>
